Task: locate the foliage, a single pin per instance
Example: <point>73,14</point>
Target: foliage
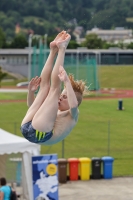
<point>73,45</point>
<point>130,46</point>
<point>2,39</point>
<point>2,75</point>
<point>19,42</point>
<point>52,16</point>
<point>93,42</point>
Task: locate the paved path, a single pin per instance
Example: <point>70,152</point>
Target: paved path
<point>103,189</point>
<point>6,90</point>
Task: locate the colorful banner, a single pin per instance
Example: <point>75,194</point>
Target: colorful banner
<point>45,177</point>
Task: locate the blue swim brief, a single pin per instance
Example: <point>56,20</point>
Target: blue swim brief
<point>33,135</point>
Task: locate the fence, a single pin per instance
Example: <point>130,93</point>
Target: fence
<point>80,66</point>
<point>97,139</point>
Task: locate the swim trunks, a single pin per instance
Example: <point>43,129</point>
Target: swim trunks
<point>33,135</point>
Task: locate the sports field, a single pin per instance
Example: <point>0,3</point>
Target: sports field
<point>102,130</point>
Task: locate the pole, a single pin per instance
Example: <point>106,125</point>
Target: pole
<point>29,57</point>
<point>15,128</point>
<point>77,66</point>
<point>45,47</point>
<point>63,142</point>
<point>108,138</point>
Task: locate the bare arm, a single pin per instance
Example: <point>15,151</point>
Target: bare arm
<point>1,195</point>
<point>32,87</point>
<point>72,100</point>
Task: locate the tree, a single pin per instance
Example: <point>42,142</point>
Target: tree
<point>2,75</point>
<point>73,45</point>
<point>93,42</point>
<point>2,38</point>
<point>19,42</point>
<point>130,46</point>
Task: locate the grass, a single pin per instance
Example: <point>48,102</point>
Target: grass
<point>12,96</point>
<point>102,130</point>
<point>116,77</point>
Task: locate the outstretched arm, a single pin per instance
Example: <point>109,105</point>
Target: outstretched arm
<point>72,100</point>
<point>32,87</point>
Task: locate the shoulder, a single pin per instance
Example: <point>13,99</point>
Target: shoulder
<point>4,188</point>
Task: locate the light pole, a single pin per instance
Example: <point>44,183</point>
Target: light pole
<point>29,56</point>
<point>45,37</point>
<point>45,46</point>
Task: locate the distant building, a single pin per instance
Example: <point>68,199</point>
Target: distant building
<point>118,34</point>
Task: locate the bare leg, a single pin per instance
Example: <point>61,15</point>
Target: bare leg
<point>45,117</point>
<point>45,81</point>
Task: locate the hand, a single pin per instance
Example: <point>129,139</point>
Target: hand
<point>62,74</point>
<point>34,84</point>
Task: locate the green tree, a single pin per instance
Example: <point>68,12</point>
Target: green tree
<point>93,42</point>
<point>2,38</point>
<point>2,75</point>
<point>130,46</point>
<point>73,45</point>
<point>19,42</point>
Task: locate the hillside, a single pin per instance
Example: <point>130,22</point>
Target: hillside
<point>51,16</point>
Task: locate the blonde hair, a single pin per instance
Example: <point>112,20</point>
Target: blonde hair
<point>78,87</point>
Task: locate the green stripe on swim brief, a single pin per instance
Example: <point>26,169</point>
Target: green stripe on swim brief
<point>40,135</point>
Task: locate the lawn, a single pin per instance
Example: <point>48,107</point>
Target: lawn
<point>102,130</point>
<point>12,96</point>
<point>116,76</point>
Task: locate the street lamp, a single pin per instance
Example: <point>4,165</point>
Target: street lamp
<point>45,46</point>
<point>29,56</point>
<point>45,37</point>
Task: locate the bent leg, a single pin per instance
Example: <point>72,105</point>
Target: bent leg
<point>45,117</point>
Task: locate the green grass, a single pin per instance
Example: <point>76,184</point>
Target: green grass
<point>116,77</point>
<point>102,130</point>
<point>12,96</point>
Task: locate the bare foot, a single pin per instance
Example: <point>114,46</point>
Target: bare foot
<point>58,38</point>
<point>63,41</point>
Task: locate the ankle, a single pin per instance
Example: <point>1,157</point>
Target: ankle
<point>54,51</point>
<point>62,47</point>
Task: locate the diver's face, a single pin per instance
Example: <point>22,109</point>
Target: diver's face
<point>63,101</point>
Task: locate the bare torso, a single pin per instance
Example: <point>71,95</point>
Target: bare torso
<point>63,125</point>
